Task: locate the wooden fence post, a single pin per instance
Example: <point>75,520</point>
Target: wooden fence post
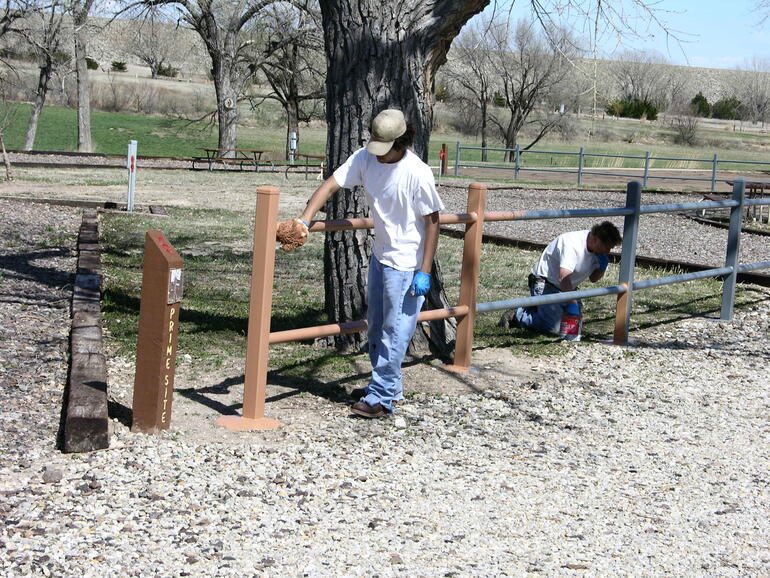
<point>469,276</point>
<point>260,309</point>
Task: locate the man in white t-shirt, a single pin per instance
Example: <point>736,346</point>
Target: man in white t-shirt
<point>566,262</point>
<point>404,205</point>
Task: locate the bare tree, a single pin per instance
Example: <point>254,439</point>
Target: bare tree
<point>753,86</point>
<point>80,11</point>
<point>386,54</point>
<point>530,70</point>
<point>228,31</point>
<point>155,42</point>
<point>294,61</point>
<point>762,8</point>
<point>43,33</point>
<point>379,55</point>
<point>9,80</point>
<point>684,120</point>
<point>472,75</point>
<point>646,76</point>
<point>13,11</point>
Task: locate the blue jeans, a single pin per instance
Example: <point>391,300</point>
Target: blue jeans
<point>392,318</point>
<point>544,318</point>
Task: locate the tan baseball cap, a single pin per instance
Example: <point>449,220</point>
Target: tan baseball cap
<point>386,128</point>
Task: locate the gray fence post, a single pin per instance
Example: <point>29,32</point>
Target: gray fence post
<point>714,164</point>
<point>517,160</point>
<point>628,253</point>
<point>457,159</point>
<point>131,165</point>
<point>581,161</point>
<point>733,251</point>
<point>646,169</point>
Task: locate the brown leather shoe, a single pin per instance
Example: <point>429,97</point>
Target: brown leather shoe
<point>365,410</point>
<point>358,393</point>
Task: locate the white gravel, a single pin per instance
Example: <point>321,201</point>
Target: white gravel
<point>645,460</point>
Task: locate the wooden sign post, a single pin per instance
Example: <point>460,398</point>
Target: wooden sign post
<point>260,310</point>
<point>158,330</point>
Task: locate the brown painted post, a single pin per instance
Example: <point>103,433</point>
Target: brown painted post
<point>260,309</point>
<point>469,276</point>
<point>621,315</point>
<point>443,156</point>
<point>158,330</point>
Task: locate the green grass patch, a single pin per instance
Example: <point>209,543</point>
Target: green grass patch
<point>155,135</point>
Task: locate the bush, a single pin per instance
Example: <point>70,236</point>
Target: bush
<point>61,58</point>
<point>567,128</point>
<point>685,129</point>
<point>91,64</point>
<point>118,66</point>
<point>700,105</point>
<point>727,109</point>
<point>168,71</point>
<point>633,109</point>
<point>498,99</point>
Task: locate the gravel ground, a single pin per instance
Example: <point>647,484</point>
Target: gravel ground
<point>646,460</point>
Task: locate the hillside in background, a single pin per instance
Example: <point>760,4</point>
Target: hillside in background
<point>114,40</point>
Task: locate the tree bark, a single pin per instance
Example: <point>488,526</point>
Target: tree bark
<point>379,55</point>
<point>79,18</point>
<point>484,114</point>
<point>40,95</point>
<point>227,102</point>
<point>6,159</point>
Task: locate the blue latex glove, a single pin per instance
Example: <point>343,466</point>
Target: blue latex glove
<point>602,261</point>
<point>420,284</point>
<point>572,309</point>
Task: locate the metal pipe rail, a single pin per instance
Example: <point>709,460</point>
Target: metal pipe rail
<point>549,299</point>
<point>516,154</point>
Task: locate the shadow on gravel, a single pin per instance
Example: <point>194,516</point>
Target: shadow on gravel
<point>122,413</point>
<point>333,391</point>
<point>21,267</point>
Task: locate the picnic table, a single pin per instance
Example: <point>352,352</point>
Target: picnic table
<point>756,190</point>
<point>308,164</point>
<point>231,157</point>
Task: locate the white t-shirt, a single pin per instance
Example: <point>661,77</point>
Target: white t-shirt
<point>567,251</point>
<point>399,195</point>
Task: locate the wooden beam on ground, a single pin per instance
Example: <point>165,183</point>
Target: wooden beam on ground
<point>86,421</point>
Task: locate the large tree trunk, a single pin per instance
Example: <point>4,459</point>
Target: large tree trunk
<point>79,18</point>
<point>226,81</point>
<point>379,55</point>
<point>484,115</point>
<point>42,91</point>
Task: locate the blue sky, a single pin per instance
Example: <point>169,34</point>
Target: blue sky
<point>713,33</point>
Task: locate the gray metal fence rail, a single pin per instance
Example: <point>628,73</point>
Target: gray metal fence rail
<point>626,285</point>
<point>581,171</point>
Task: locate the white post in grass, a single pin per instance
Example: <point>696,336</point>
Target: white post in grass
<point>131,165</point>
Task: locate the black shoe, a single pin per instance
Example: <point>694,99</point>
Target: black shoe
<point>365,410</point>
<point>358,393</point>
<point>508,319</point>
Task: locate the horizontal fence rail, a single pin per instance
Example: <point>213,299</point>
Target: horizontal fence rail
<point>260,302</point>
<point>518,157</point>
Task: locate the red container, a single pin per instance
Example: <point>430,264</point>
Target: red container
<point>569,329</point>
